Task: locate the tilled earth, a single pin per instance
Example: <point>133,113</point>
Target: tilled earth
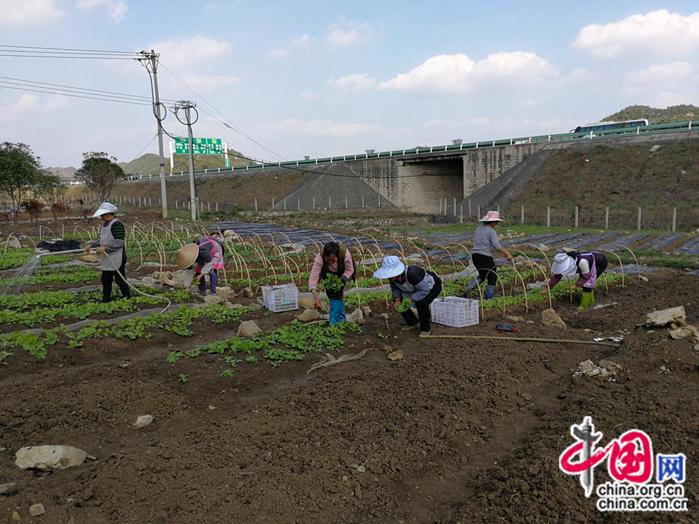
<point>456,431</point>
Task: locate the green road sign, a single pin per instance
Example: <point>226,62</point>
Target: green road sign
<point>200,146</point>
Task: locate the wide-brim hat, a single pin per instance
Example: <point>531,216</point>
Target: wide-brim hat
<point>187,255</point>
<point>491,216</point>
<point>564,265</point>
<point>104,209</point>
<point>391,266</point>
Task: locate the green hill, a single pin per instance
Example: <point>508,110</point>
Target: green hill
<point>655,115</point>
<point>150,164</point>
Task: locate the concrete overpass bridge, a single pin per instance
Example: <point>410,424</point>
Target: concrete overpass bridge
<point>421,179</point>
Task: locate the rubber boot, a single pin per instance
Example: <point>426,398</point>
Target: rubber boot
<point>587,300</point>
<point>489,292</point>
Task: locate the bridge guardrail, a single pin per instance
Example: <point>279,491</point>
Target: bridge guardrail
<point>672,127</point>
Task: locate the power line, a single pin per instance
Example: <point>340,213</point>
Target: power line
<point>51,92</point>
<point>226,123</point>
<point>80,90</point>
<point>66,49</point>
<point>83,57</point>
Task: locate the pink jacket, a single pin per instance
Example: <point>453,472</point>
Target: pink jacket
<point>314,278</point>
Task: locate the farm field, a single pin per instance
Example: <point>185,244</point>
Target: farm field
<point>245,431</point>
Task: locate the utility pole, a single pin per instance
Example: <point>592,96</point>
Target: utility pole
<point>152,59</point>
<point>187,107</point>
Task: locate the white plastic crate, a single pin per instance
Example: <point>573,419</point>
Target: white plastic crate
<point>284,297</point>
<point>454,311</point>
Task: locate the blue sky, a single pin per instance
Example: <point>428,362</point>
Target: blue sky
<point>324,78</point>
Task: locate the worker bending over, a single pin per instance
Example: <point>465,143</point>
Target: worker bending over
<point>586,266</point>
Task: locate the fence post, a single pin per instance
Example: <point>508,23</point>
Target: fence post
<point>478,212</point>
<point>346,206</point>
<point>177,205</point>
<point>454,206</point>
<point>217,207</point>
<point>362,201</point>
<point>577,211</point>
<point>674,219</point>
<point>272,204</point>
<point>314,202</point>
<point>638,222</point>
<point>255,204</point>
<point>469,208</point>
<point>461,214</point>
<point>498,209</point>
<point>606,218</point>
<point>298,204</point>
<point>379,201</point>
<point>521,214</point>
<point>548,216</point>
<point>285,204</point>
<point>208,206</point>
<point>330,203</point>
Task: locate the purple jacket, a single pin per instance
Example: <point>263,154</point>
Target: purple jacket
<point>586,280</point>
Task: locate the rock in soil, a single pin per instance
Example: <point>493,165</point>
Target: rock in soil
<point>8,489</point>
<point>663,317</point>
<point>226,292</point>
<point>395,355</point>
<point>308,315</point>
<point>549,317</point>
<point>36,510</point>
<point>610,365</point>
<point>49,457</point>
<point>306,301</point>
<point>684,332</point>
<point>213,299</point>
<point>248,292</point>
<point>248,328</point>
<point>15,517</point>
<point>143,421</point>
<point>356,316</point>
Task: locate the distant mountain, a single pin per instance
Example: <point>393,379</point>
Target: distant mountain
<point>150,163</point>
<point>656,115</point>
<point>65,173</point>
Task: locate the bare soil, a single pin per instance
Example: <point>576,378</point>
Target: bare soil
<point>456,431</point>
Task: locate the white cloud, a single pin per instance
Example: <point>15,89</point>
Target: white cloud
<point>353,82</point>
<point>459,73</point>
<point>278,53</point>
<point>662,84</point>
<point>31,104</point>
<point>116,8</point>
<point>301,41</point>
<point>320,128</point>
<point>29,12</point>
<point>191,51</point>
<point>658,33</point>
<point>345,33</point>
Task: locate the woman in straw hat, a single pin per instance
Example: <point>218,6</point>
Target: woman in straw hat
<point>111,247</point>
<point>417,284</point>
<point>205,256</point>
<point>485,241</point>
<point>586,266</point>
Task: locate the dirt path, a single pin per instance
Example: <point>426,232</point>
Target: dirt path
<point>454,432</point>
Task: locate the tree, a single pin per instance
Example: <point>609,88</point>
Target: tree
<point>100,172</point>
<point>19,171</point>
<point>51,189</point>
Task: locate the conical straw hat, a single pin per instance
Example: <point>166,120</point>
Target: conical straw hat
<point>187,255</point>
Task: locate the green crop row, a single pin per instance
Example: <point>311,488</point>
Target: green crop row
<point>178,322</point>
<point>71,311</point>
<point>289,342</point>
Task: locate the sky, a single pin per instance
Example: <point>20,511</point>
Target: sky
<point>279,80</point>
